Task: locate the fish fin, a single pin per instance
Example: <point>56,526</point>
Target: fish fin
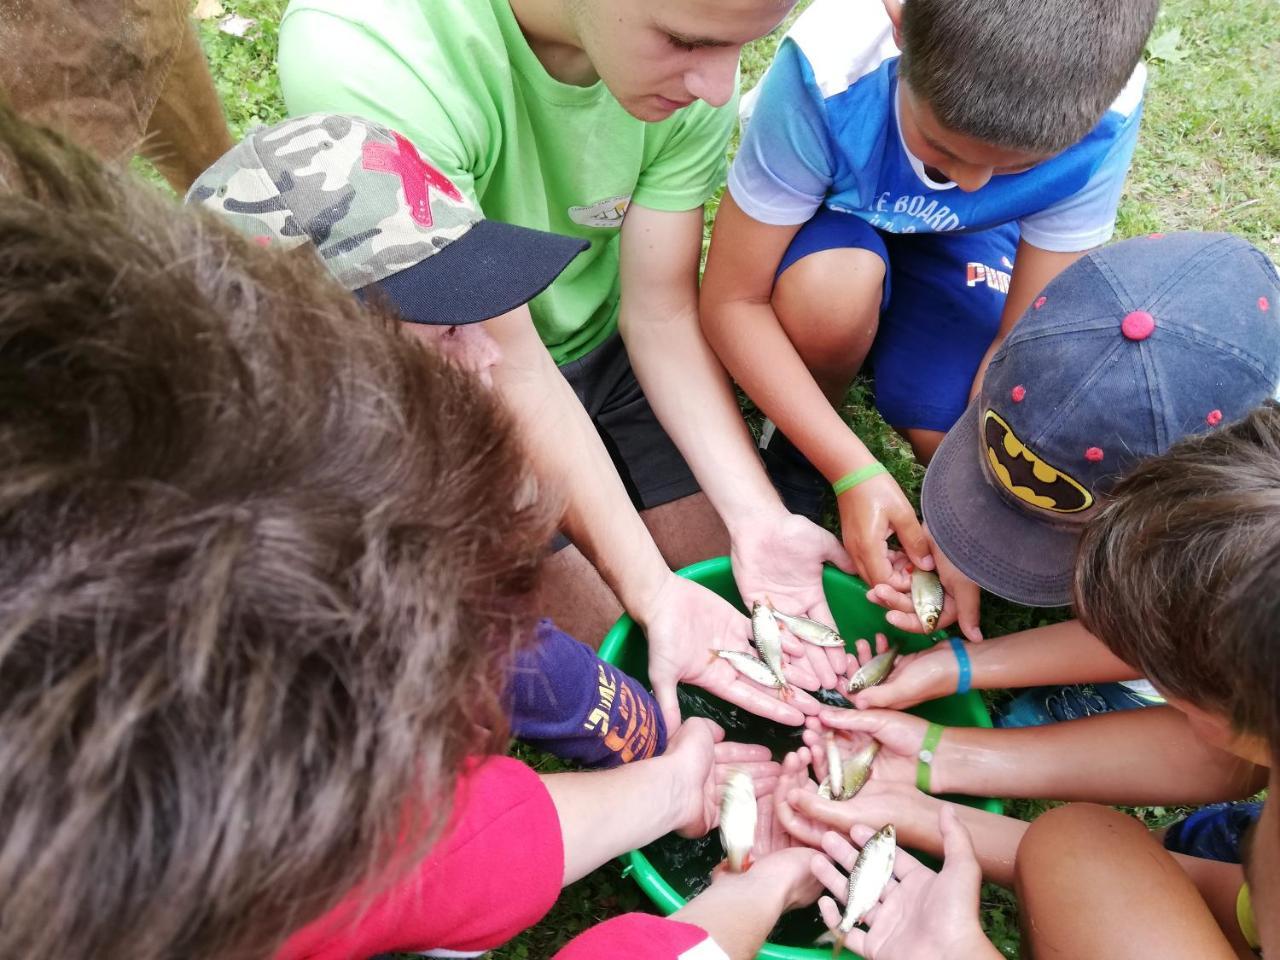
<point>747,862</point>
<point>715,655</point>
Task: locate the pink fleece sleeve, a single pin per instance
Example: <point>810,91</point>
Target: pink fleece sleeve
<point>642,936</point>
<point>496,871</point>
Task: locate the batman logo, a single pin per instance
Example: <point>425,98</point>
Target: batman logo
<point>1028,477</point>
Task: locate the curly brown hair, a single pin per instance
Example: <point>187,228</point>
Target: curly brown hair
<point>261,559</point>
<point>1170,574</point>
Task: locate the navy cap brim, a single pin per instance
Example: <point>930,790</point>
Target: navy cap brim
<point>1006,551</point>
<point>493,268</point>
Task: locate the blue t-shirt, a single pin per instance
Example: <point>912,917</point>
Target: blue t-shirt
<point>823,129</point>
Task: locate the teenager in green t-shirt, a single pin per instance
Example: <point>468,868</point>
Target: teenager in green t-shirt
<point>565,115</point>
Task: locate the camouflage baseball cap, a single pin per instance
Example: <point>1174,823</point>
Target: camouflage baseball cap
<point>382,218</point>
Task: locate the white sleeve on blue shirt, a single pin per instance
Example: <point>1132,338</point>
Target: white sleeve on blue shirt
<point>785,165</point>
<point>1087,218</point>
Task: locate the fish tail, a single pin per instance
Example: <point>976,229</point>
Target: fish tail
<point>837,945</point>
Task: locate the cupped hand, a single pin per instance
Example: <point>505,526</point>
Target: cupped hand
<point>790,871</point>
<point>900,736</point>
<point>700,760</point>
<point>685,624</point>
<point>778,559</point>
<point>960,602</point>
<point>922,915</point>
<point>807,816</point>
<point>869,513</point>
<point>915,678</point>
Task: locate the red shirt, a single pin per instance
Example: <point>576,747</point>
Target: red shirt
<point>496,872</point>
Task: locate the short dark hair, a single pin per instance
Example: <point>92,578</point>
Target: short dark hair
<point>261,559</point>
<point>1252,638</point>
<point>1025,76</point>
<point>1160,570</point>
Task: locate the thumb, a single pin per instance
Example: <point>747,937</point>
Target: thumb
<point>957,844</point>
<point>881,695</point>
<point>835,554</point>
<point>967,602</point>
<point>664,691</point>
<point>912,538</point>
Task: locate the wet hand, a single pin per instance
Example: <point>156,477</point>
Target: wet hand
<point>685,623</point>
<point>700,760</point>
<point>961,598</point>
<point>922,915</point>
<point>915,678</point>
<point>900,736</point>
<point>869,513</point>
<point>778,559</point>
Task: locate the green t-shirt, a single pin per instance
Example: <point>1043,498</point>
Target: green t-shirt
<point>458,78</point>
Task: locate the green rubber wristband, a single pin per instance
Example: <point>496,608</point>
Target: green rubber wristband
<point>851,480</point>
<point>924,765</point>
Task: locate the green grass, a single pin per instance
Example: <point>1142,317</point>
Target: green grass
<point>1208,159</point>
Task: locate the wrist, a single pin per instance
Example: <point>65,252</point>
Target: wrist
<point>682,791</point>
<point>768,895</point>
<point>974,945</point>
<point>639,590</point>
<point>745,521</point>
<point>852,457</point>
<point>958,764</point>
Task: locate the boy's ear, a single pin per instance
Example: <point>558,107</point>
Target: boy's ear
<point>894,9</point>
<point>1217,729</point>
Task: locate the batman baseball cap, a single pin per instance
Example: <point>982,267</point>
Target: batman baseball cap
<point>382,218</point>
<point>1130,349</point>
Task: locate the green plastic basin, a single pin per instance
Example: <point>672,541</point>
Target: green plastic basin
<point>673,869</point>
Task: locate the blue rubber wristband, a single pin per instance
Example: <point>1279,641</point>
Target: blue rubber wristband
<point>966,668</point>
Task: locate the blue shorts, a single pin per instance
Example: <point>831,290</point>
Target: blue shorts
<point>940,310</point>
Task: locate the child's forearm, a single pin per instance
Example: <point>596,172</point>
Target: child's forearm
<point>1147,756</point>
<point>756,350</point>
<point>737,911</point>
<point>995,837</point>
<point>605,813</point>
<point>1057,654</point>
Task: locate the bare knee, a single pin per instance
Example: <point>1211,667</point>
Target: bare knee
<point>1061,839</point>
<point>829,303</point>
<point>925,443</point>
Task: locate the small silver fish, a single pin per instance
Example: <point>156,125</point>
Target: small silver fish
<point>867,880</point>
<point>926,597</point>
<point>858,768</point>
<point>738,820</point>
<point>855,772</point>
<point>873,671</point>
<point>810,631</point>
<point>767,638</point>
<point>754,669</point>
<point>835,770</point>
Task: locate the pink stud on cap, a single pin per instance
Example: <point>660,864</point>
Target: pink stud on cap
<point>1138,325</point>
<point>1264,304</point>
<point>262,241</point>
<point>1018,393</point>
<point>1155,236</point>
<point>1040,302</point>
<point>1214,418</point>
<point>1093,454</point>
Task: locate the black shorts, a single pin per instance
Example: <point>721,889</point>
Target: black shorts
<point>651,468</point>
